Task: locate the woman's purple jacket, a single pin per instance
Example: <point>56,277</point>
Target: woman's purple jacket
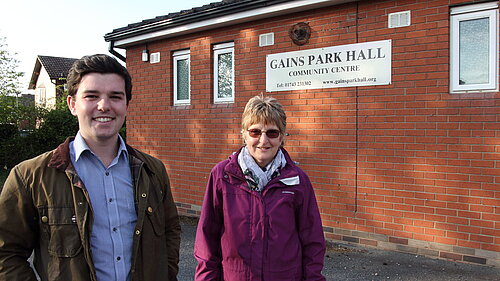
<point>270,236</point>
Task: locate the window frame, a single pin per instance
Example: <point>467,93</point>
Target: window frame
<point>42,96</point>
<point>177,56</point>
<point>223,48</point>
<point>471,12</point>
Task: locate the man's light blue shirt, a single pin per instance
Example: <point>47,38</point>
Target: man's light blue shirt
<point>111,194</point>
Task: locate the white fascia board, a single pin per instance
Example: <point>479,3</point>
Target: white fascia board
<point>231,19</point>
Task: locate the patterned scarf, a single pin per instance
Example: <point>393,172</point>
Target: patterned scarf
<point>257,177</point>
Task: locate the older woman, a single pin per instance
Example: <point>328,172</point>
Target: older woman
<point>260,219</point>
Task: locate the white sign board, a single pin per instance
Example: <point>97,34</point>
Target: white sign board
<point>362,64</point>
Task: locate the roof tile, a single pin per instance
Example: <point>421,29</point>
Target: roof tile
<point>56,67</point>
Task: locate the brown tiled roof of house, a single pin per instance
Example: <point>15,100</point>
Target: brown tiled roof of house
<point>56,67</point>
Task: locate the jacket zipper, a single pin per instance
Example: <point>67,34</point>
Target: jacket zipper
<point>260,196</point>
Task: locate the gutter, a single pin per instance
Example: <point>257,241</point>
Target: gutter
<point>216,17</point>
<point>114,52</point>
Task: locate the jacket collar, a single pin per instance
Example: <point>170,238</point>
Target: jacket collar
<point>61,160</point>
<point>137,159</point>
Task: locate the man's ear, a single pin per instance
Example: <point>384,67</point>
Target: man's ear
<point>71,104</point>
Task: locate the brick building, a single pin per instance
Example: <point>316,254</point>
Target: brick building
<point>404,155</point>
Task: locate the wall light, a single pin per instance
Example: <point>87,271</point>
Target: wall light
<point>145,55</point>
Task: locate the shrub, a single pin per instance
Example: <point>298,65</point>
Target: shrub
<point>57,125</point>
<point>7,131</point>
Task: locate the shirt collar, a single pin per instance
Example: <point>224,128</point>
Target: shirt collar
<point>80,146</point>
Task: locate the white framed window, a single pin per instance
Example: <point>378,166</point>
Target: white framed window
<point>224,72</point>
<point>42,96</point>
<point>182,80</point>
<point>474,48</point>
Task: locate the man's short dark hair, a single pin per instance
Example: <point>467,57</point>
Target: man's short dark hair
<point>98,63</point>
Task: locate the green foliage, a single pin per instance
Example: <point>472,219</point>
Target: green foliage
<point>12,108</point>
<point>7,131</point>
<point>123,132</point>
<point>23,116</point>
<point>57,125</point>
<point>3,176</point>
<point>54,127</point>
<point>9,76</point>
<point>7,109</point>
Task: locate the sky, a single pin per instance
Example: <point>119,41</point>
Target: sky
<point>73,28</point>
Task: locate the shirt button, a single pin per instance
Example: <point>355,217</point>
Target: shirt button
<point>118,258</point>
<point>45,219</point>
<point>150,209</point>
<point>107,173</point>
<point>110,199</point>
<point>114,228</point>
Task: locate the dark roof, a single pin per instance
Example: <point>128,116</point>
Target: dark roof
<point>180,14</point>
<point>56,67</point>
<point>204,12</point>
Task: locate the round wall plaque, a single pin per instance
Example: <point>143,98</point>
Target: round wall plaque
<point>300,33</point>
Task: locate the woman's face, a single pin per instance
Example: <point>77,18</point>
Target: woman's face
<point>262,147</point>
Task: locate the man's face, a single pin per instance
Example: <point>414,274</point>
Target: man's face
<point>100,105</point>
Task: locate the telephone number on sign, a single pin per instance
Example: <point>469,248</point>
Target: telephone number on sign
<point>294,84</point>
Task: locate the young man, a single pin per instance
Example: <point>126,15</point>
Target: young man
<point>94,208</point>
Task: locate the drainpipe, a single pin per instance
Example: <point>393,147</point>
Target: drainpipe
<point>115,53</point>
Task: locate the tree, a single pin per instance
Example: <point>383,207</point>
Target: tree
<point>11,111</point>
<point>9,76</point>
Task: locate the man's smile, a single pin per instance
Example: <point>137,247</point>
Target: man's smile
<point>103,119</point>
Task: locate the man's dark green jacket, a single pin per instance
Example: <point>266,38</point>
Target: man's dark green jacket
<point>45,207</point>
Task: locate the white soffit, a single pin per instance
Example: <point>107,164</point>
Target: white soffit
<point>230,19</point>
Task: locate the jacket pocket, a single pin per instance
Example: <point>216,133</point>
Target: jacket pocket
<point>234,265</point>
<point>59,229</point>
<point>158,224</point>
<point>156,216</point>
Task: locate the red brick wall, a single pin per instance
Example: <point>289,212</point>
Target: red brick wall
<point>408,161</point>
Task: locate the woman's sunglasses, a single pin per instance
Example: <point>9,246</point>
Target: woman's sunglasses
<point>256,133</point>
